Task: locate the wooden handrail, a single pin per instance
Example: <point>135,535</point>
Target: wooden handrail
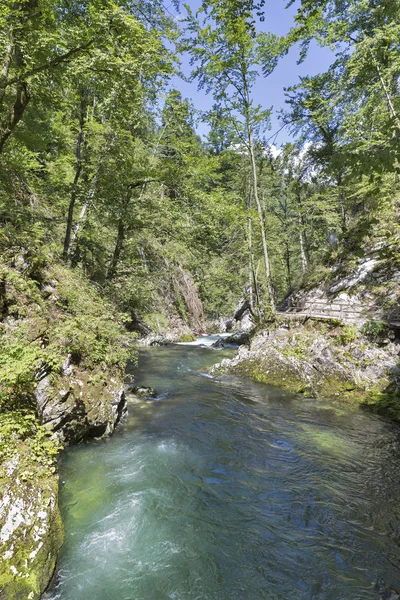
<point>322,308</point>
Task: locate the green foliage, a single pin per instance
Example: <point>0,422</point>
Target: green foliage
<point>348,333</point>
<point>19,364</point>
<point>186,337</point>
<point>297,347</point>
<point>156,321</point>
<point>41,330</point>
<point>22,427</point>
<point>358,164</point>
<point>374,329</point>
<point>90,330</point>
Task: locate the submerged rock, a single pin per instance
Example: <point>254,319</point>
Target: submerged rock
<point>238,338</point>
<point>31,532</point>
<point>389,594</point>
<point>220,343</point>
<point>142,391</point>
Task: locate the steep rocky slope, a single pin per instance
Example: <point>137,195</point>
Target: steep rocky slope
<point>62,358</point>
<point>354,290</point>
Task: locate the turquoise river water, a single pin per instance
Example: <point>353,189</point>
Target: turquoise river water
<point>224,489</point>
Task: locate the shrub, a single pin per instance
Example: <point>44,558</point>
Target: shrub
<point>374,328</point>
<point>348,334</point>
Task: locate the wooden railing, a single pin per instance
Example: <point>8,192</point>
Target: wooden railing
<point>335,309</point>
<point>321,309</point>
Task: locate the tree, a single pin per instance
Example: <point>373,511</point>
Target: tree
<point>365,39</point>
<point>111,88</point>
<point>227,54</point>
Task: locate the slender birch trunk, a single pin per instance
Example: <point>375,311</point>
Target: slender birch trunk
<point>302,251</point>
<point>84,209</point>
<point>250,144</point>
<point>261,222</point>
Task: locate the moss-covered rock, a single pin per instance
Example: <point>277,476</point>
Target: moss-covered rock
<point>31,532</point>
<point>384,400</point>
<point>186,337</point>
<point>81,403</point>
<point>328,361</point>
<point>63,351</point>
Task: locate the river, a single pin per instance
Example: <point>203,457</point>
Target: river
<point>224,489</point>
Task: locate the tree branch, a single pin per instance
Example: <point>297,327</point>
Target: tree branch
<point>52,63</point>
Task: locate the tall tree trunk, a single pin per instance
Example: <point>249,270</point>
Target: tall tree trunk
<point>256,290</point>
<point>78,225</point>
<point>85,207</point>
<point>288,266</point>
<point>385,88</point>
<point>343,214</point>
<point>302,251</point>
<point>21,98</point>
<point>261,222</point>
<point>253,164</point>
<point>303,239</point>
<point>74,189</point>
<point>250,249</point>
<point>117,250</point>
<point>121,228</point>
<point>14,52</point>
<point>251,269</point>
<point>8,54</point>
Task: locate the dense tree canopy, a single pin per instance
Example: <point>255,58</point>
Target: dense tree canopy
<point>101,165</point>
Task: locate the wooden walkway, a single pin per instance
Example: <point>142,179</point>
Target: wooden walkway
<point>304,315</point>
<point>323,310</point>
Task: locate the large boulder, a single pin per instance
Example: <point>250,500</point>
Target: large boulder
<point>321,360</point>
<point>80,404</point>
<point>31,531</point>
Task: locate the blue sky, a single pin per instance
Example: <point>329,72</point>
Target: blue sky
<point>268,91</point>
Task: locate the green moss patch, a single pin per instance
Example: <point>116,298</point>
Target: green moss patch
<point>31,532</point>
<point>336,363</point>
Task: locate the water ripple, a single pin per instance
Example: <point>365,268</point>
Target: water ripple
<point>224,489</point>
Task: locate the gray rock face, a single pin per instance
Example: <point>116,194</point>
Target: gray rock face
<point>315,361</point>
<point>31,532</point>
<point>80,404</point>
<point>76,404</point>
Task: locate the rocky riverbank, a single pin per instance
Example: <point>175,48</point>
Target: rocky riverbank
<point>31,533</point>
<point>62,356</point>
<point>323,359</point>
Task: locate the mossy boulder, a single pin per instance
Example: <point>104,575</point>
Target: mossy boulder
<point>63,350</point>
<point>31,532</point>
<point>321,360</point>
<point>81,403</point>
